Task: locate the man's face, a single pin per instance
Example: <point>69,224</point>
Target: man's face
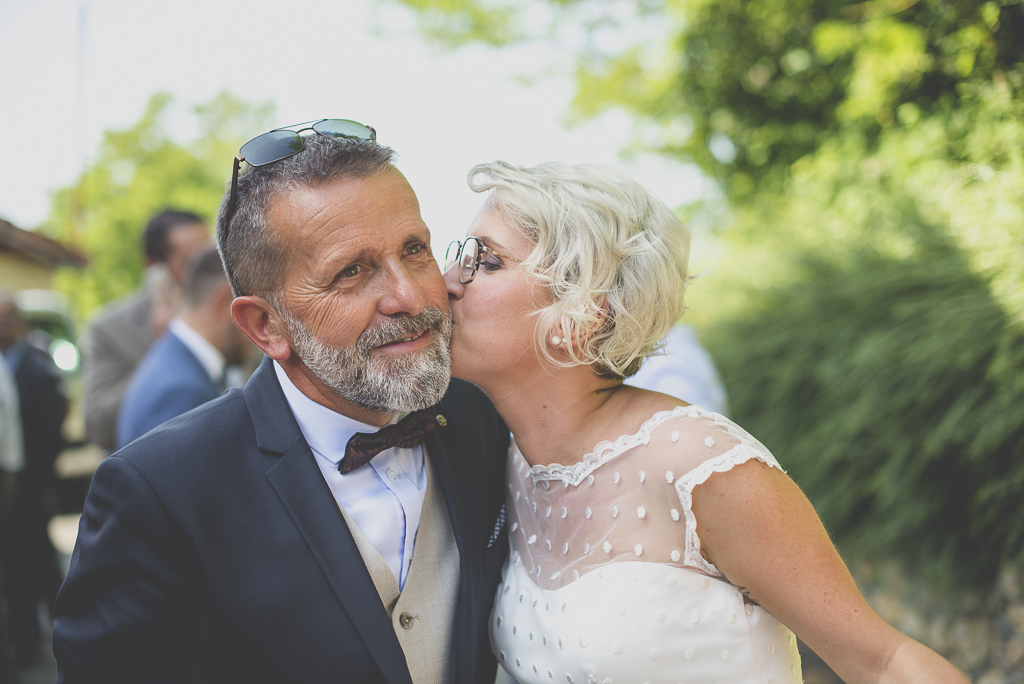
<point>184,243</point>
<point>362,299</point>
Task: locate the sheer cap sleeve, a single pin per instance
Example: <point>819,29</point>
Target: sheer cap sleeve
<point>725,446</point>
<point>628,500</point>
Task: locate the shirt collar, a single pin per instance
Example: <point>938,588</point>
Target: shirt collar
<point>326,431</point>
<point>209,356</point>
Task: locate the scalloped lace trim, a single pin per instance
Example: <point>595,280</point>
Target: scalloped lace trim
<point>737,455</point>
<point>576,473</point>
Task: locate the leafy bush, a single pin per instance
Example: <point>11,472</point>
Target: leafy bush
<point>884,363</point>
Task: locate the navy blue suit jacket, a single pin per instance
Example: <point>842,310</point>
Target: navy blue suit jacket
<point>168,382</point>
<point>212,550</point>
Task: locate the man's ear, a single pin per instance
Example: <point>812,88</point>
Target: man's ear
<point>260,323</point>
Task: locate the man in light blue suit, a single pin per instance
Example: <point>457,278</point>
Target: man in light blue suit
<point>185,367</point>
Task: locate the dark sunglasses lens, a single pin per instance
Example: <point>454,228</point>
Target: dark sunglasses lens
<point>343,128</point>
<point>271,147</point>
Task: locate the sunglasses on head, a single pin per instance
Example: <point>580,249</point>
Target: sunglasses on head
<point>285,142</point>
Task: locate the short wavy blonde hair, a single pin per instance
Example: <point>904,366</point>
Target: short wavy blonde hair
<point>612,255</point>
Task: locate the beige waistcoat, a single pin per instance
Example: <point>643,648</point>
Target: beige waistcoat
<point>423,613</point>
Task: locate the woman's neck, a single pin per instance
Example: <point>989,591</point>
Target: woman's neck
<point>559,414</point>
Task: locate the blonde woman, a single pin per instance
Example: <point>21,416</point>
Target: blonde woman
<point>651,540</point>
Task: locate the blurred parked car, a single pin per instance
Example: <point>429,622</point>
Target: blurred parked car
<point>47,314</point>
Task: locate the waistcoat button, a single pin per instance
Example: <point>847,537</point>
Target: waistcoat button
<point>406,620</point>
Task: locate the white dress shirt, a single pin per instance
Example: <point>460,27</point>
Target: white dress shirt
<point>12,452</point>
<point>209,356</point>
<point>384,497</point>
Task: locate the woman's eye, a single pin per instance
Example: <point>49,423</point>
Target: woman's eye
<point>491,262</point>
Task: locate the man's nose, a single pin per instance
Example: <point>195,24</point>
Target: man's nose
<point>404,293</point>
<point>456,289</point>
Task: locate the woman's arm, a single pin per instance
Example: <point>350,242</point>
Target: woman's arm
<point>760,530</point>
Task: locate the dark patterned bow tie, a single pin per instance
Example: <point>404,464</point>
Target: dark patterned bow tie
<point>406,433</point>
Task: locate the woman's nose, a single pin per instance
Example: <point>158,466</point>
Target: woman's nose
<point>456,289</point>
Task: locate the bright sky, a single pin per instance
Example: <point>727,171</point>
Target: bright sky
<point>355,59</point>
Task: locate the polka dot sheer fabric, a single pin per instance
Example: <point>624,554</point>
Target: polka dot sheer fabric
<point>605,581</point>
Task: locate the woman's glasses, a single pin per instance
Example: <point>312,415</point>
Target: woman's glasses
<point>467,255</point>
<point>285,142</point>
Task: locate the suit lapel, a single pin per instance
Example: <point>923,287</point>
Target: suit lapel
<point>441,445</point>
<point>299,483</point>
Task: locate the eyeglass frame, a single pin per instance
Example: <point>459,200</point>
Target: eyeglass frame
<point>481,250</point>
<point>310,127</point>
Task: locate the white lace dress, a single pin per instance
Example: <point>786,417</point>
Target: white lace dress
<point>605,582</point>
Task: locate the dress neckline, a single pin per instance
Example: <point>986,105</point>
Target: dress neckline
<point>605,451</point>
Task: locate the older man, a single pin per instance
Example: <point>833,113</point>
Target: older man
<point>262,538</point>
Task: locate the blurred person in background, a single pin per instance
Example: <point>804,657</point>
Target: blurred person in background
<point>683,368</point>
<point>187,366</point>
<point>12,450</point>
<point>31,573</point>
<point>12,460</point>
<point>121,333</point>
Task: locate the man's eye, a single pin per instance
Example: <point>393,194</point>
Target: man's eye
<point>351,271</point>
<point>416,248</point>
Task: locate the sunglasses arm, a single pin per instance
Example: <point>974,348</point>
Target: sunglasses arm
<point>234,189</point>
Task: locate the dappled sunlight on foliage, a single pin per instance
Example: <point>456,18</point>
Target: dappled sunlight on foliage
<point>879,382</point>
<point>136,173</point>
<point>885,361</point>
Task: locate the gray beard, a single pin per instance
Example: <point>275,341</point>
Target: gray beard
<point>379,383</point>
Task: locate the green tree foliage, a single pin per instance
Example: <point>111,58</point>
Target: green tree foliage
<point>136,173</point>
<point>868,314</point>
<point>877,342</point>
<point>747,87</point>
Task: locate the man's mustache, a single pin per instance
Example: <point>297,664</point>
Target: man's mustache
<point>395,329</point>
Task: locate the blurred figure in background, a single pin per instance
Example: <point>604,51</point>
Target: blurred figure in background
<point>12,460</point>
<point>31,573</point>
<point>12,450</point>
<point>187,366</point>
<point>684,369</point>
<point>121,333</point>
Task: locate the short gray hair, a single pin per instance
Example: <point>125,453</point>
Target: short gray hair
<point>250,249</point>
<point>205,276</point>
<point>612,255</point>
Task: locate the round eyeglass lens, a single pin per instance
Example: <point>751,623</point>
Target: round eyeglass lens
<point>451,255</point>
<point>271,147</point>
<point>343,128</point>
<point>467,260</point>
